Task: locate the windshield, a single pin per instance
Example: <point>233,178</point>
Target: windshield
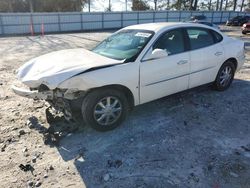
<point>123,45</point>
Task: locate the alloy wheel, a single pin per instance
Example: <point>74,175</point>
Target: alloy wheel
<point>107,110</point>
<point>226,76</point>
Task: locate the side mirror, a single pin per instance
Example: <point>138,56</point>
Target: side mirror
<point>158,53</point>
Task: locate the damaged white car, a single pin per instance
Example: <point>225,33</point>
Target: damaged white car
<point>135,65</point>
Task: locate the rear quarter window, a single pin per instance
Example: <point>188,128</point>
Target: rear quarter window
<point>217,37</point>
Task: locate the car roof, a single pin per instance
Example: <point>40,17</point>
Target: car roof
<point>163,25</point>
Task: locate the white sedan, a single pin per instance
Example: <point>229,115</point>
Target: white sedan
<point>135,65</point>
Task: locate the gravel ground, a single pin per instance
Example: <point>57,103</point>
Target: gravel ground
<point>198,138</point>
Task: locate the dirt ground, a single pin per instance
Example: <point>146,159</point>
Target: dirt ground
<point>198,138</point>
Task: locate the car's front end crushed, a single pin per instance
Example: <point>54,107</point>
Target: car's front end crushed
<point>39,78</point>
<point>59,99</point>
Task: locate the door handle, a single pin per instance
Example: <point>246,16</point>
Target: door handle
<point>218,53</point>
<point>182,62</point>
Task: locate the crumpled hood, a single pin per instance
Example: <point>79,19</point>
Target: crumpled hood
<point>53,68</point>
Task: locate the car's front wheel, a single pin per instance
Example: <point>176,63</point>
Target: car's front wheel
<point>225,76</point>
<point>104,109</point>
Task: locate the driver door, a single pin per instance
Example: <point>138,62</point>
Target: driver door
<point>163,76</point>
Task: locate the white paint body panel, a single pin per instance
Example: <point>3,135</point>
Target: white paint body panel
<point>164,76</point>
<point>125,75</point>
<point>205,64</point>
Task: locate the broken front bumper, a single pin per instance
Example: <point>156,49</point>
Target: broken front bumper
<point>44,95</point>
<point>69,94</point>
<point>55,99</point>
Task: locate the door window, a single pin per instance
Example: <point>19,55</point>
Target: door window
<point>171,41</point>
<point>199,38</point>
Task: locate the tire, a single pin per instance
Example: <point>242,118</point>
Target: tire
<point>225,73</point>
<point>243,32</point>
<point>104,109</point>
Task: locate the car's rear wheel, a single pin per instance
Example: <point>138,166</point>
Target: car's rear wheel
<point>225,76</point>
<point>104,109</point>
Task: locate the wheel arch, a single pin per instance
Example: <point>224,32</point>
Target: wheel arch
<point>234,61</point>
<point>128,93</point>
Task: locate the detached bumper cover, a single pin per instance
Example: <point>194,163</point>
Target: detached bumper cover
<point>46,95</point>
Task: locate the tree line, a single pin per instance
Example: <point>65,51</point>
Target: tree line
<point>41,5</point>
<point>217,5</point>
<point>78,5</point>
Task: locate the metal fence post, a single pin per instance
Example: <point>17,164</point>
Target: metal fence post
<point>32,28</point>
<point>212,16</point>
<point>221,14</point>
<point>59,22</point>
<point>1,24</point>
<point>102,20</point>
<point>81,20</point>
<point>137,17</point>
<point>167,16</point>
<point>121,19</point>
<point>179,16</point>
<point>154,16</point>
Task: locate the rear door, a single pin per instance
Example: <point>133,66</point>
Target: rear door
<point>206,55</point>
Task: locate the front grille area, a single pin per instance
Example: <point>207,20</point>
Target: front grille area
<point>42,88</point>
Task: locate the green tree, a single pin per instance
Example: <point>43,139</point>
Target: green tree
<point>58,5</point>
<point>14,6</point>
<point>193,5</point>
<point>139,5</point>
<point>234,4</point>
<point>204,5</point>
<point>109,9</point>
<point>41,5</point>
<point>163,4</point>
<point>243,5</point>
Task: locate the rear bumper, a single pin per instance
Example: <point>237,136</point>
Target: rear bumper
<point>46,95</point>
